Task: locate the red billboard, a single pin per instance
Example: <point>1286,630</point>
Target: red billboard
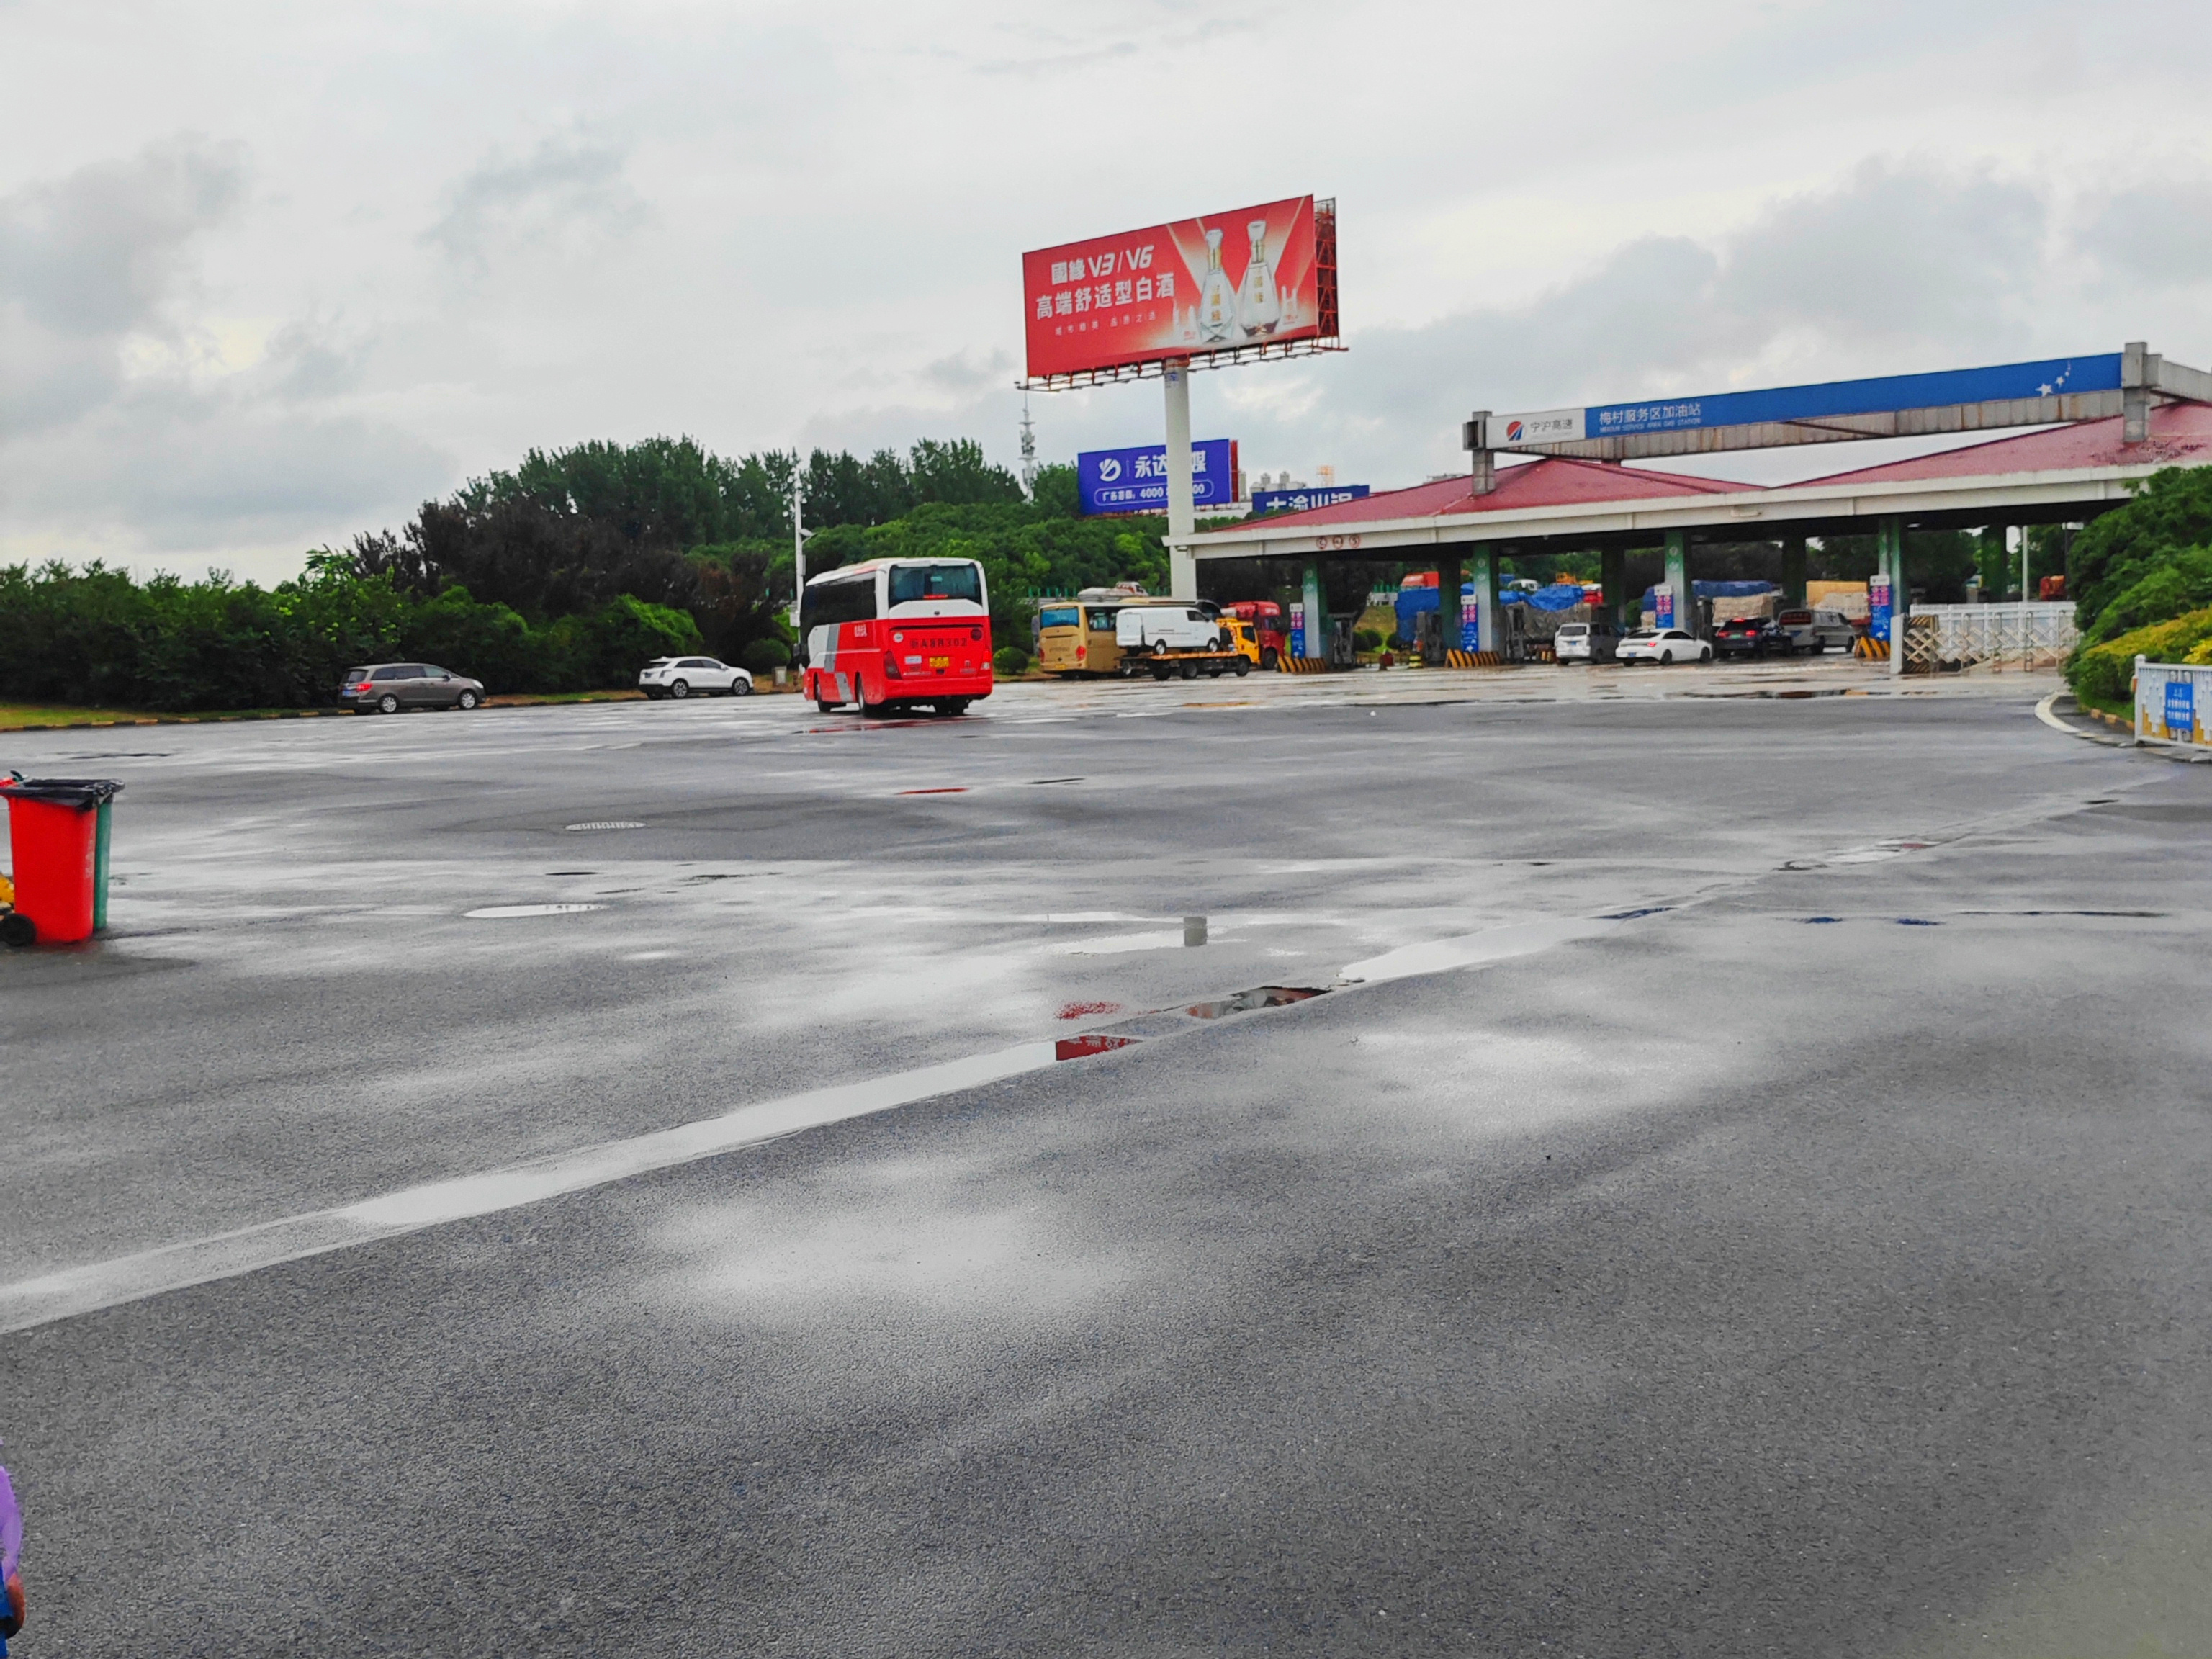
<point>1254,276</point>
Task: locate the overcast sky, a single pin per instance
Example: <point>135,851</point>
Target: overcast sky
<point>272,273</point>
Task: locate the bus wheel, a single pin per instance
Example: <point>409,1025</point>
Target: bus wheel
<point>952,708</point>
<point>825,705</point>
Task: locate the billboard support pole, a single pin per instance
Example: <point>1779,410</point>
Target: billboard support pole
<point>1183,510</point>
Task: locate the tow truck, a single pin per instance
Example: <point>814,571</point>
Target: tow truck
<point>1167,640</point>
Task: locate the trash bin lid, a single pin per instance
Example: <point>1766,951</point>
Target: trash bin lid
<point>82,794</point>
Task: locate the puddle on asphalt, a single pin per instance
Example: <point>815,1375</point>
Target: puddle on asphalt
<point>503,912</point>
<point>1265,996</point>
<point>1194,929</point>
<point>1096,1042</point>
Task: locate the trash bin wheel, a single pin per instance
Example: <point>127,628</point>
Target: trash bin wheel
<point>16,928</point>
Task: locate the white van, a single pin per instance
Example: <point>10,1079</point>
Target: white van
<point>1816,631</point>
<point>1590,641</point>
<point>1163,627</point>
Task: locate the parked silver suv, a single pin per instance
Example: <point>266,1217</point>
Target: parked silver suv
<point>385,688</point>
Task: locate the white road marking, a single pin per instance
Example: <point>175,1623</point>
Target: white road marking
<point>74,1291</point>
<point>1473,950</point>
<point>501,912</point>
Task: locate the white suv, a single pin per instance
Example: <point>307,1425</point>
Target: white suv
<point>680,677</point>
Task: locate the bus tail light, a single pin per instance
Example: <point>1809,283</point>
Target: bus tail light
<point>892,669</point>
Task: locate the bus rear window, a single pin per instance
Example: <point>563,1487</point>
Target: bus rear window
<point>910,582</point>
<point>1059,616</point>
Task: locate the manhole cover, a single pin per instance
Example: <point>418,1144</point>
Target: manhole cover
<point>608,824</point>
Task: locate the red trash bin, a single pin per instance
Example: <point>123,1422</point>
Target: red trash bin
<point>54,834</point>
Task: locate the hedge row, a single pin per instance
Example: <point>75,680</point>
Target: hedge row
<point>96,636</point>
<point>2106,671</point>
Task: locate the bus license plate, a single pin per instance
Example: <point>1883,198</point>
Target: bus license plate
<point>940,663</point>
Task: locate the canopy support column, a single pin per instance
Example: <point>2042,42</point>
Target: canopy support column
<point>1676,588</point>
<point>1793,570</point>
<point>1317,640</point>
<point>1447,604</point>
<point>1613,577</point>
<point>1889,559</point>
<point>1485,598</point>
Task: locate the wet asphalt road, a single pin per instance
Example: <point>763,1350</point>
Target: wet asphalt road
<point>1817,1264</point>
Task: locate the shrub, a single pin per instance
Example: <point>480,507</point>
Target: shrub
<point>1366,639</point>
<point>766,656</point>
<point>1010,659</point>
<point>2181,584</point>
<point>2102,673</point>
<point>2172,511</point>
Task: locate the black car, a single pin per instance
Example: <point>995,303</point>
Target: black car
<point>389,687</point>
<point>1749,637</point>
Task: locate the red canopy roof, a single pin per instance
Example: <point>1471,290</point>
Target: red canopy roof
<point>1554,481</point>
<point>2180,435</point>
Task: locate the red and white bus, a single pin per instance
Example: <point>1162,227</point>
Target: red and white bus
<point>893,633</point>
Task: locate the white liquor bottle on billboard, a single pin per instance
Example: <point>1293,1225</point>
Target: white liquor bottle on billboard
<point>1257,306</point>
<point>1217,301</point>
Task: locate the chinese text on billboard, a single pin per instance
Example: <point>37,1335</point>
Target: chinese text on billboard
<point>1252,277</point>
<point>1136,480</point>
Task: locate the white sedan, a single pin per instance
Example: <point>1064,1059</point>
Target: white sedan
<point>684,676</point>
<point>1662,645</point>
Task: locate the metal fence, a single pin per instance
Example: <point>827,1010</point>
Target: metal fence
<point>2173,703</point>
<point>1945,638</point>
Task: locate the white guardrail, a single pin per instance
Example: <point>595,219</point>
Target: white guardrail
<point>2036,635</point>
<point>2173,703</point>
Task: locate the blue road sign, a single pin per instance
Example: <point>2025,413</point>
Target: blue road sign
<point>2050,377</point>
<point>2181,708</point>
<point>1302,500</point>
<point>1136,480</point>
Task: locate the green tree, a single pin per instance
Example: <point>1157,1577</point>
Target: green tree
<point>2170,514</point>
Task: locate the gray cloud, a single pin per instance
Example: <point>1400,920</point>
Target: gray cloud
<point>1894,254</point>
<point>2159,233</point>
<point>178,446</point>
<point>566,191</point>
<point>96,252</point>
<point>1893,268</point>
<point>91,257</point>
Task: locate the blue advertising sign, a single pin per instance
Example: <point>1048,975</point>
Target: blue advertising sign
<point>1136,480</point>
<point>2048,378</point>
<point>1303,501</point>
<point>2181,708</point>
